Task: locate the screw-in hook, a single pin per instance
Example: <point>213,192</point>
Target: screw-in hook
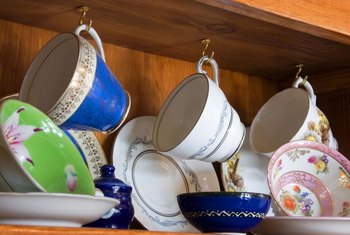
<point>84,10</point>
<point>206,43</point>
<point>300,67</point>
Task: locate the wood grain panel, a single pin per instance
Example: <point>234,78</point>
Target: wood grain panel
<point>148,78</point>
<point>18,45</point>
<point>324,18</point>
<point>244,37</point>
<point>326,82</point>
<point>336,106</point>
<point>34,230</point>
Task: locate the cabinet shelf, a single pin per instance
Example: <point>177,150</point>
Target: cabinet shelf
<point>259,38</point>
<point>34,230</point>
<point>262,40</point>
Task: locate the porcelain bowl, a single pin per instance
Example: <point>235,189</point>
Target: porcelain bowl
<point>36,155</point>
<point>224,212</point>
<point>307,178</point>
<point>85,141</point>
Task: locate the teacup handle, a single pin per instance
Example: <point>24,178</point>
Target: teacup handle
<point>94,36</point>
<point>213,64</point>
<point>300,81</point>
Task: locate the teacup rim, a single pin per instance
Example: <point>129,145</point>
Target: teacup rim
<point>234,194</point>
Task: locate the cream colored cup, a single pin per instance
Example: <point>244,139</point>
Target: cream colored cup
<point>197,122</point>
<point>290,115</point>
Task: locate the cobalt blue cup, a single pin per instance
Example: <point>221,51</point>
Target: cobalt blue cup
<point>70,82</point>
<point>224,212</point>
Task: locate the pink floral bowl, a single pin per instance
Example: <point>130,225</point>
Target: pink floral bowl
<point>307,178</point>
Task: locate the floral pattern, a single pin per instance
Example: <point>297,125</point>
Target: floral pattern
<point>71,178</point>
<point>294,155</point>
<point>324,174</point>
<point>234,181</point>
<point>298,202</point>
<point>17,134</point>
<point>344,179</point>
<point>318,132</point>
<point>346,210</point>
<point>321,163</point>
<point>278,168</point>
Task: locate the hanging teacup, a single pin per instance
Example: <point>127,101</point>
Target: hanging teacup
<point>290,115</point>
<point>197,122</point>
<point>70,82</point>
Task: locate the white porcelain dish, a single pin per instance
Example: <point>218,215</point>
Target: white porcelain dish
<point>157,179</point>
<point>52,209</point>
<point>292,225</point>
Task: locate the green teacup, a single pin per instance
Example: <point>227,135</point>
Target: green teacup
<point>36,155</point>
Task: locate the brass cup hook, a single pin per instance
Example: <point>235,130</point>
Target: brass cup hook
<point>300,67</point>
<point>206,43</point>
<point>84,10</point>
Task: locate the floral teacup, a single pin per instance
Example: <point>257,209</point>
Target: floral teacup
<point>290,115</point>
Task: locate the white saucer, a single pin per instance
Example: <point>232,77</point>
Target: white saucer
<point>303,225</point>
<point>52,209</point>
<point>158,179</point>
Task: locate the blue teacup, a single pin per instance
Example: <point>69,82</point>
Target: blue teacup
<point>70,82</point>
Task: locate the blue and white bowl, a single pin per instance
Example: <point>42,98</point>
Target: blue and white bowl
<point>225,212</point>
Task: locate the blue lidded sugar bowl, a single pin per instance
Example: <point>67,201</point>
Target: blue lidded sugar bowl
<point>120,216</point>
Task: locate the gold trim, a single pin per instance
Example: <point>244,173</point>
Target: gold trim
<point>123,117</point>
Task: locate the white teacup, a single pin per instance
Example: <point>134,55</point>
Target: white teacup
<point>197,122</point>
<point>290,115</point>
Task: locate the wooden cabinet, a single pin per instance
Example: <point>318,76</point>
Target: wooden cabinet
<point>152,45</point>
<point>34,230</point>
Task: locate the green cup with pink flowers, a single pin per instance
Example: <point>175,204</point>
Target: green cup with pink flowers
<point>36,155</point>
